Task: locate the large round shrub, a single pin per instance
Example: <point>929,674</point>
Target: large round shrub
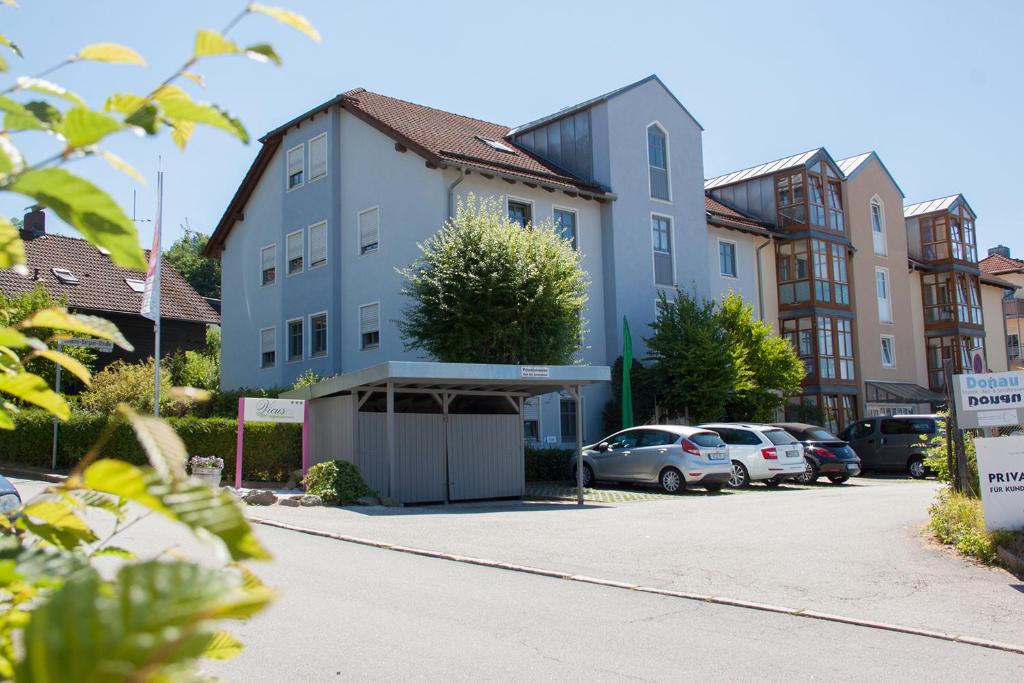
<point>337,482</point>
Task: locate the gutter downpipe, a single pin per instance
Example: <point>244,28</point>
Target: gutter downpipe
<point>451,191</point>
<point>760,279</point>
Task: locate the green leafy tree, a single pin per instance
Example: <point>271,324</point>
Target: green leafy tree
<point>768,369</point>
<point>694,366</point>
<point>186,257</point>
<point>485,290</point>
<point>199,368</point>
<point>60,618</point>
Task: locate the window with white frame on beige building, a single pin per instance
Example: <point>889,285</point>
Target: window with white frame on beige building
<point>878,227</point>
<point>883,295</point>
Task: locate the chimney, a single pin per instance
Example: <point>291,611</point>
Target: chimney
<point>35,223</point>
<point>1000,250</point>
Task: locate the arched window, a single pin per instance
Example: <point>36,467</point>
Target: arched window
<point>657,162</point>
<point>878,227</point>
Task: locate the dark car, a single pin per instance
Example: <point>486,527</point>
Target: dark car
<point>825,454</point>
<point>9,496</point>
<point>895,442</point>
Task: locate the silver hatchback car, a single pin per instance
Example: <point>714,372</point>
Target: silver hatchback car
<point>668,455</point>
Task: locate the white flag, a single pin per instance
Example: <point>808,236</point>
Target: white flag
<point>151,293</point>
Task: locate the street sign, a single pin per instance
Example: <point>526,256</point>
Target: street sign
<point>101,345</point>
<point>1001,476</point>
<point>993,399</point>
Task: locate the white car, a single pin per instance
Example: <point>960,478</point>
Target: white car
<point>760,453</point>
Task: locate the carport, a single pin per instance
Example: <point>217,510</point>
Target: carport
<point>423,432</point>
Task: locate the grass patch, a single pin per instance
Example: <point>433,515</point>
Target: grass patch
<point>957,520</point>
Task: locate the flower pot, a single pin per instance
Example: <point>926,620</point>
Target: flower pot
<point>207,475</point>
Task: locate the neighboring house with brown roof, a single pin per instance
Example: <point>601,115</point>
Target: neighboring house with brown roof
<point>75,270</point>
<point>1001,265</point>
<point>339,197</point>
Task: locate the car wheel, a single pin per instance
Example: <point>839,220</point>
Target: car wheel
<point>671,480</point>
<point>916,468</point>
<point>810,474</point>
<point>839,479</point>
<point>772,483</point>
<point>713,486</point>
<point>739,479</point>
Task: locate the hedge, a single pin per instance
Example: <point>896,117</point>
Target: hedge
<point>548,464</point>
<point>272,451</point>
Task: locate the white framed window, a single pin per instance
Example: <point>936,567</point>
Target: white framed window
<point>268,347</point>
<point>135,285</point>
<point>661,240</point>
<point>727,258</point>
<point>519,210</point>
<point>317,157</point>
<point>657,162</point>
<point>295,246</point>
<point>369,326</point>
<point>268,264</point>
<point>565,225</point>
<point>65,276</point>
<point>567,419</point>
<point>318,334</point>
<point>296,166</point>
<point>1013,346</point>
<point>369,231</point>
<point>888,351</point>
<point>883,294</point>
<point>878,227</point>
<point>531,419</point>
<point>293,339</point>
<point>318,244</point>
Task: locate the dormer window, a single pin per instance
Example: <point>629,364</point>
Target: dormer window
<point>136,285</point>
<point>65,276</point>
<point>494,144</point>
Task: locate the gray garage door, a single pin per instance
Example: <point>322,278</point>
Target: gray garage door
<point>485,456</point>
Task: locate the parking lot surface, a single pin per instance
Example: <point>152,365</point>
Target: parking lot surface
<point>856,550</point>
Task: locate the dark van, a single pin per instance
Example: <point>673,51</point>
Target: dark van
<point>893,443</point>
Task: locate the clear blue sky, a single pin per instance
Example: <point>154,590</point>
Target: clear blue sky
<point>934,87</point>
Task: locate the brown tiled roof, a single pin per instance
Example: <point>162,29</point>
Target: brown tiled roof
<point>997,264</point>
<point>101,286</point>
<point>717,209</point>
<point>453,137</point>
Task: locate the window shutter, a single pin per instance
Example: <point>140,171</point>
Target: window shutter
<point>267,339</point>
<point>369,319</point>
<point>296,160</point>
<point>318,244</point>
<point>269,256</point>
<point>294,246</point>
<point>369,231</point>
<point>531,408</point>
<point>318,157</point>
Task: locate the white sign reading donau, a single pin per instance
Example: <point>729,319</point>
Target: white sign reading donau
<point>1001,477</point>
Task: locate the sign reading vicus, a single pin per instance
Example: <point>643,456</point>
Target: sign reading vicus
<point>273,410</point>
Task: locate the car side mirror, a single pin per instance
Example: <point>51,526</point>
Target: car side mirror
<point>603,446</point>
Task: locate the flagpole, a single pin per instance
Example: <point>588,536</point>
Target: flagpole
<point>156,286</point>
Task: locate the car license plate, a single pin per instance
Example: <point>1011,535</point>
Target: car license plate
<point>717,455</point>
<point>851,466</point>
<point>793,454</point>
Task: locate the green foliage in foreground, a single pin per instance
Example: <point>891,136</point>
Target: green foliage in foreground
<point>337,482</point>
<point>936,458</point>
<point>957,520</point>
<point>486,290</point>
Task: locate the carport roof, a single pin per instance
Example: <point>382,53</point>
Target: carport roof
<point>529,380</point>
<point>900,392</point>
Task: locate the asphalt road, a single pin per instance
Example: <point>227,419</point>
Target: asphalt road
<point>351,612</point>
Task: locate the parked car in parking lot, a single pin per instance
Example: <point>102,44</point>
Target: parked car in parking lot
<point>824,453</point>
<point>670,456</point>
<point>760,453</point>
<point>894,442</point>
<point>9,496</point>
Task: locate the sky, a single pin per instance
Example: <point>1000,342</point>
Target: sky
<point>934,87</point>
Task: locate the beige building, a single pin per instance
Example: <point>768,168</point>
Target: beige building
<point>1001,266</point>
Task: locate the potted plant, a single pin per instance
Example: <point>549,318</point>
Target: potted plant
<point>207,469</point>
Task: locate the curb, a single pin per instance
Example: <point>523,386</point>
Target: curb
<point>695,597</point>
<point>1011,560</point>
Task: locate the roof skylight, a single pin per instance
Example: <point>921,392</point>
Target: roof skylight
<point>136,285</point>
<point>494,144</point>
<point>65,276</point>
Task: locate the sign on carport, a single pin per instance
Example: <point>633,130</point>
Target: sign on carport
<point>994,399</point>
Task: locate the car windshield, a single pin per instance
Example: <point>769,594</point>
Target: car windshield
<point>819,435</point>
<point>707,439</point>
<point>779,437</point>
